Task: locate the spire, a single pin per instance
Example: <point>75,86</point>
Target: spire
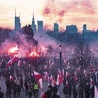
<point>15,11</point>
<point>33,16</point>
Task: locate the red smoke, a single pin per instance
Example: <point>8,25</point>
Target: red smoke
<point>58,10</point>
<point>61,13</point>
<point>47,27</point>
<point>46,11</point>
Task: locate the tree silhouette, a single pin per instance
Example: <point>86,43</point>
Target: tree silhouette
<point>82,54</point>
<point>49,49</point>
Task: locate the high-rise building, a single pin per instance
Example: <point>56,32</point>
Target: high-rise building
<point>17,22</point>
<point>84,28</point>
<point>40,26</point>
<point>71,29</point>
<point>56,29</point>
<point>33,26</point>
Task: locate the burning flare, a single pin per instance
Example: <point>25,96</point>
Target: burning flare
<point>34,54</point>
<point>13,50</point>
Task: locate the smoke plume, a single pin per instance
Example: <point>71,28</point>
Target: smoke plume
<point>59,10</point>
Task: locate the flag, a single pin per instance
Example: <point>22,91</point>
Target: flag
<point>19,63</point>
<point>68,67</point>
<point>63,72</point>
<point>95,92</point>
<point>46,75</point>
<point>91,82</point>
<point>67,74</point>
<point>85,73</point>
<point>75,76</point>
<point>51,81</point>
<point>11,61</point>
<point>37,75</point>
<point>59,78</point>
<point>43,95</point>
<point>67,84</point>
<point>40,83</point>
<point>92,68</point>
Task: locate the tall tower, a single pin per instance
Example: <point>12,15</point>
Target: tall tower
<point>56,28</point>
<point>40,26</point>
<point>33,24</point>
<point>33,21</point>
<point>17,22</point>
<point>84,28</point>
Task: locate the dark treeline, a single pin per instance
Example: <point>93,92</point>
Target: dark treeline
<point>88,36</point>
<point>81,40</point>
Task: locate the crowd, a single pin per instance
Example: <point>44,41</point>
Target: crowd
<point>77,83</point>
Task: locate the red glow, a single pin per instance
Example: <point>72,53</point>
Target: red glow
<point>13,50</point>
<point>47,11</point>
<point>34,54</point>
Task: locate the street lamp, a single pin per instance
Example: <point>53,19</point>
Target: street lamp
<point>60,57</point>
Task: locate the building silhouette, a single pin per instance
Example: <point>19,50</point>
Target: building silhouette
<point>56,29</point>
<point>17,22</point>
<point>33,26</point>
<point>71,29</point>
<point>40,26</point>
<point>84,28</point>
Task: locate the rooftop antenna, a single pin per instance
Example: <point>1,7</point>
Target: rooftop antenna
<point>33,15</point>
<point>15,11</point>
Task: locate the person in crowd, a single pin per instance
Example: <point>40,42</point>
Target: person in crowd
<point>30,92</point>
<point>81,91</point>
<point>45,95</point>
<point>49,92</point>
<point>87,90</point>
<point>9,88</point>
<point>21,84</point>
<point>18,90</point>
<point>66,91</point>
<point>36,89</point>
<point>26,87</point>
<point>30,89</point>
<point>55,95</point>
<point>55,89</point>
<point>92,91</point>
<point>1,94</point>
<point>74,92</point>
<point>14,89</point>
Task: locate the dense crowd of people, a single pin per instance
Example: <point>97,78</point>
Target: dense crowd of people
<point>76,82</point>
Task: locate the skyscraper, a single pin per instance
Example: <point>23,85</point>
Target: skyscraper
<point>56,29</point>
<point>84,27</point>
<point>40,26</point>
<point>33,24</point>
<point>71,29</point>
<point>17,22</point>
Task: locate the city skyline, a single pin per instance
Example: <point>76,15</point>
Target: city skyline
<point>63,12</point>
